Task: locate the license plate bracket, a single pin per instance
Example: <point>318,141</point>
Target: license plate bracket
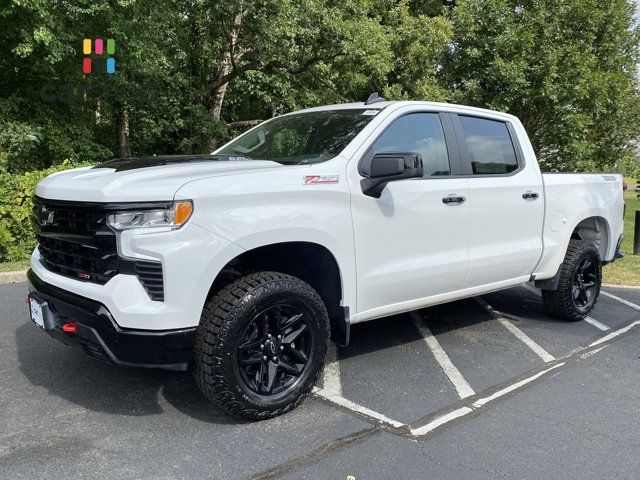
<point>38,312</point>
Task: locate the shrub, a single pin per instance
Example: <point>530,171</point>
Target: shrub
<point>17,234</point>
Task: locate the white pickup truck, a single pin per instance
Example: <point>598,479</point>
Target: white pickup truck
<point>242,264</point>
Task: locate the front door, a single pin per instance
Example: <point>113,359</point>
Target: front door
<point>412,242</point>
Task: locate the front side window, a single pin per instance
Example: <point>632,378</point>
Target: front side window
<point>417,133</point>
<point>301,138</point>
<point>488,145</point>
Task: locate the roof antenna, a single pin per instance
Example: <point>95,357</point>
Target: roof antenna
<point>374,98</point>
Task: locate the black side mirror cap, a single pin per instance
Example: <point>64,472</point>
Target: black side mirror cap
<point>389,167</point>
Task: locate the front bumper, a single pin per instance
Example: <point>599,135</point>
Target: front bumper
<point>98,335</point>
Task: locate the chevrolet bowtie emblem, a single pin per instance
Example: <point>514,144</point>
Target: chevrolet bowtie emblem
<point>45,217</point>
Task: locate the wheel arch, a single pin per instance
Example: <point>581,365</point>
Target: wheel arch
<point>595,230</point>
<point>310,261</point>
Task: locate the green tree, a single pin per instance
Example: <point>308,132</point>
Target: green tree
<point>419,34</point>
<point>566,68</point>
<point>287,51</point>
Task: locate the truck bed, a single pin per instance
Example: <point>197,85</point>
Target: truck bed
<point>569,197</point>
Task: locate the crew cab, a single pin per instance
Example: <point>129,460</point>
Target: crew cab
<point>242,264</point>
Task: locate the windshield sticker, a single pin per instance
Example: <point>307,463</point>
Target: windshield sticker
<point>370,112</point>
<point>320,179</point>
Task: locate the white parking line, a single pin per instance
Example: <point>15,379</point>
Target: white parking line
<point>462,411</point>
<point>332,390</point>
<point>615,333</point>
<point>514,386</point>
<point>527,340</point>
<point>621,300</point>
<point>331,378</point>
<point>597,324</point>
<point>432,425</point>
<point>356,407</point>
<point>589,320</point>
<point>523,337</point>
<point>462,387</point>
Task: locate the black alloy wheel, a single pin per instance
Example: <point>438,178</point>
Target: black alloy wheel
<point>275,349</point>
<point>579,281</point>
<point>261,344</point>
<point>584,282</point>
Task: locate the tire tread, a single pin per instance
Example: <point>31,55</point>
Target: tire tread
<point>215,331</point>
<point>558,303</point>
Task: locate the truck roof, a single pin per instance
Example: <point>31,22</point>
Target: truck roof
<point>398,103</point>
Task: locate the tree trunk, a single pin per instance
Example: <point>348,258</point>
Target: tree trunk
<point>124,147</point>
<point>217,95</point>
<point>225,67</point>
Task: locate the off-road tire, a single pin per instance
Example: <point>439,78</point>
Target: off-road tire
<point>224,320</point>
<point>560,303</point>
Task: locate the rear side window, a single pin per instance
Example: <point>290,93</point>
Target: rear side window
<point>417,133</point>
<point>488,145</point>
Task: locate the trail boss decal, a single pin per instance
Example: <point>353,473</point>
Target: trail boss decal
<point>320,179</point>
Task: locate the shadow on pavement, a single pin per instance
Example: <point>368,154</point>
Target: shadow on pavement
<point>389,332</point>
<point>87,382</point>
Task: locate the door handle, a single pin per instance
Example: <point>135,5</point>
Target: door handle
<point>530,195</point>
<point>453,200</point>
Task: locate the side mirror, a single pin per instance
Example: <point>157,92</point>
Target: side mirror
<point>388,167</point>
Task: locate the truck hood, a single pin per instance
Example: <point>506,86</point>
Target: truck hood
<point>142,179</point>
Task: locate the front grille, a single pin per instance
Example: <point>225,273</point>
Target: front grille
<point>75,241</point>
<point>83,260</point>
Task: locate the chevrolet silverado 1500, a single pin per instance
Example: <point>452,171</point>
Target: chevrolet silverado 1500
<point>242,264</point>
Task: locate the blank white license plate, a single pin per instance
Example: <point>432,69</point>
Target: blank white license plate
<point>37,315</point>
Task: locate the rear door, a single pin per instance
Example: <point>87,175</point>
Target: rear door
<point>409,243</point>
<point>505,198</point>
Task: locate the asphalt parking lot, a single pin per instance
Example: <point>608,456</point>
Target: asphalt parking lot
<point>481,388</point>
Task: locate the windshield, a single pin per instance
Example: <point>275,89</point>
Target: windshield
<point>301,138</point>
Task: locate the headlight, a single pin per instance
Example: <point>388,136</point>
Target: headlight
<point>173,217</point>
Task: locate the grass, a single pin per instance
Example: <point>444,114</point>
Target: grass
<point>631,182</point>
<point>626,271</point>
<point>13,266</point>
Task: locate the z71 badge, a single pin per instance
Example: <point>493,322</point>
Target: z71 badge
<point>320,179</point>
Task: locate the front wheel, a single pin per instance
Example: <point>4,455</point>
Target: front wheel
<point>261,344</point>
<point>579,285</point>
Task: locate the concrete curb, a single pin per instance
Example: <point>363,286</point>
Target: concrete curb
<point>611,285</point>
<point>13,277</point>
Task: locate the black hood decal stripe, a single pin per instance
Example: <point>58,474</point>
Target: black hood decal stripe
<point>124,164</point>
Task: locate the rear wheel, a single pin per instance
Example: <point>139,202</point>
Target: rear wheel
<point>579,284</point>
<point>261,345</point>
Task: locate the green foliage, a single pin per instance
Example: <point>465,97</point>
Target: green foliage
<point>185,70</point>
<point>566,68</point>
<point>17,236</point>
